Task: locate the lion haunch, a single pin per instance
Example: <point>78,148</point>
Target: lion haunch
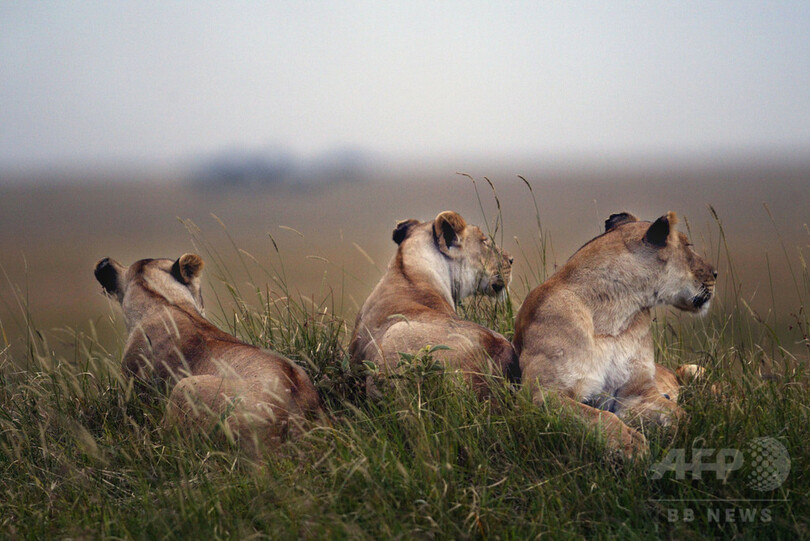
<point>211,375</point>
<point>437,264</point>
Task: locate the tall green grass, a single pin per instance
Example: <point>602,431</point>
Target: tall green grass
<point>83,456</point>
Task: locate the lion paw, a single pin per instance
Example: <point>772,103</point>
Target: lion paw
<point>634,444</point>
<point>627,441</point>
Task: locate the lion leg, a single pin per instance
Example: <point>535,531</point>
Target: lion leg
<point>619,436</point>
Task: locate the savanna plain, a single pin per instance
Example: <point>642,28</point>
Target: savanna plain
<point>287,267</point>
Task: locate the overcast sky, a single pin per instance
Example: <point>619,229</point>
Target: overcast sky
<point>162,82</point>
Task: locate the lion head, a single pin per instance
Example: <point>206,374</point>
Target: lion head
<point>148,282</point>
<point>680,277</point>
<point>474,262</point>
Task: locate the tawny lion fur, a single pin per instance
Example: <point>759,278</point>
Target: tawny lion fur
<point>437,264</point>
<point>212,377</point>
<point>585,333</point>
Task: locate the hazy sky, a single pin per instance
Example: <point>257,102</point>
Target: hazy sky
<point>95,82</point>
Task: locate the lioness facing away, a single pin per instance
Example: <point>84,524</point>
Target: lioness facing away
<point>437,264</point>
<point>585,333</point>
<point>212,375</point>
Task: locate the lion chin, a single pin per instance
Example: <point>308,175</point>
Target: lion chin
<point>702,301</point>
<point>496,288</point>
<point>697,304</point>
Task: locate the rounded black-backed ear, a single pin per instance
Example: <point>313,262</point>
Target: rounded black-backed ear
<point>402,229</point>
<point>187,267</point>
<point>661,230</point>
<point>107,275</point>
<point>447,226</point>
<point>616,220</point>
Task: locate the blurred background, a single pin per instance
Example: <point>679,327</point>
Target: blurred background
<point>300,132</point>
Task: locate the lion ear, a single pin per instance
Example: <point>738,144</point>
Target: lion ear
<point>106,272</point>
<point>660,231</point>
<point>187,268</point>
<point>616,220</point>
<point>446,229</point>
<point>402,229</point>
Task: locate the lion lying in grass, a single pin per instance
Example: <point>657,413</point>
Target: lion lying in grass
<point>585,333</point>
<point>437,264</point>
<point>212,376</point>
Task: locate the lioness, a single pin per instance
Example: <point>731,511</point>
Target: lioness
<point>437,264</point>
<point>585,332</point>
<point>211,375</point>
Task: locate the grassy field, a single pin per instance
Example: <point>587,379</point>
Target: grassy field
<point>83,457</point>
